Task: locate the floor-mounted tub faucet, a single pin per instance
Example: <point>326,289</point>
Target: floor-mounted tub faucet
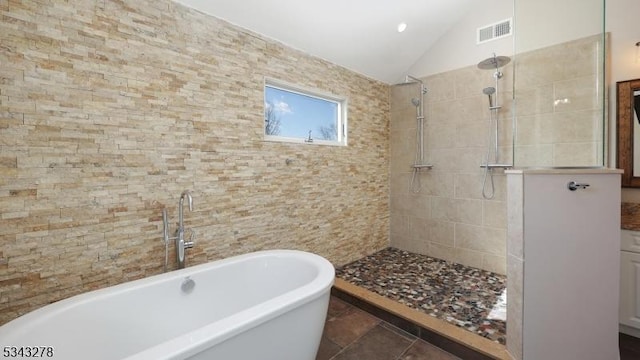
<point>181,244</point>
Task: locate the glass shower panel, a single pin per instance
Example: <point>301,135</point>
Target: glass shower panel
<point>559,83</point>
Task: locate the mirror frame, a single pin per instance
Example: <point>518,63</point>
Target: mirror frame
<point>624,112</point>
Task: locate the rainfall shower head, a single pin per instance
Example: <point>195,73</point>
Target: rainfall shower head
<point>489,91</point>
<point>409,80</point>
<point>494,62</point>
<point>415,102</point>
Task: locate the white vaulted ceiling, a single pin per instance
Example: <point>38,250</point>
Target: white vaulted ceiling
<point>360,35</point>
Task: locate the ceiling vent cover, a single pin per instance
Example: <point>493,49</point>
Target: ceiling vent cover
<point>494,31</point>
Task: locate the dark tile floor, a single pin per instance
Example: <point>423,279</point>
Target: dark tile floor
<point>351,333</point>
<point>629,347</point>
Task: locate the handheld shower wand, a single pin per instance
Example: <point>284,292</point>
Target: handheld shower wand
<point>489,91</point>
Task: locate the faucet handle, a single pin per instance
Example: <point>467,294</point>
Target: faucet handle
<point>189,244</point>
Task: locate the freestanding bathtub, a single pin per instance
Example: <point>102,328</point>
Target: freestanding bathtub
<point>267,305</point>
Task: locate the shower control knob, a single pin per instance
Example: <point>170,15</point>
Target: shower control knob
<point>573,186</point>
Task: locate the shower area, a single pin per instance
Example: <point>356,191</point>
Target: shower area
<point>533,99</point>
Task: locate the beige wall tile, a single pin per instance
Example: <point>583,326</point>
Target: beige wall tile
<point>579,93</point>
<point>443,209</point>
<point>576,154</point>
<point>494,214</point>
<point>442,232</point>
<point>494,263</point>
<point>469,211</point>
<point>469,257</point>
<point>442,251</point>
<point>483,239</point>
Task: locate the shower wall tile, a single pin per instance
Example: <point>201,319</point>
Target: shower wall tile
<point>419,205</point>
<point>469,211</point>
<point>444,113</point>
<point>420,227</point>
<point>470,81</point>
<point>444,159</point>
<point>441,135</point>
<point>484,239</point>
<point>400,225</point>
<point>469,158</point>
<point>408,243</point>
<point>560,104</point>
<point>402,95</point>
<point>549,132</point>
<point>469,257</point>
<point>442,232</point>
<point>443,252</point>
<point>535,100</point>
<point>399,182</point>
<point>577,154</point>
<point>436,183</point>
<point>104,120</point>
<point>403,119</point>
<point>441,87</point>
<point>576,94</point>
<point>536,129</point>
<point>495,263</point>
<point>471,109</point>
<point>403,155</point>
<point>443,209</point>
<point>575,127</point>
<point>506,132</point>
<point>494,214</point>
<point>534,155</point>
<point>472,135</point>
<point>469,186</point>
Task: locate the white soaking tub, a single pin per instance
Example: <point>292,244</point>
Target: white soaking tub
<point>267,305</point>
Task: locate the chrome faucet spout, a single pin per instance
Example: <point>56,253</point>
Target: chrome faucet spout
<point>181,244</point>
<point>184,194</point>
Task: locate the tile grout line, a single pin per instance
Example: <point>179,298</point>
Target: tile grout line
<point>356,339</point>
<point>407,349</point>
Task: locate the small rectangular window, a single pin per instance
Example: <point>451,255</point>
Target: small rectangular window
<point>294,114</point>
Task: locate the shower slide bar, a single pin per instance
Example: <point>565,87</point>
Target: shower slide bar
<point>496,166</point>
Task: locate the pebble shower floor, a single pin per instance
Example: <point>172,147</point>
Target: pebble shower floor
<point>458,294</point>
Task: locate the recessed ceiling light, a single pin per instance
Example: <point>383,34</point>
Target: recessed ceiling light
<point>402,27</point>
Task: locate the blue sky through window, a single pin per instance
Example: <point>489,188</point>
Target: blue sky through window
<point>300,113</point>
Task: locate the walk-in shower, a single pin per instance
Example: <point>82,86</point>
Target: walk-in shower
<point>492,162</point>
<point>419,161</point>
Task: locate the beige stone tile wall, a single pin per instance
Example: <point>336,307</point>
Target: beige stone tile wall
<point>109,109</point>
<point>449,218</point>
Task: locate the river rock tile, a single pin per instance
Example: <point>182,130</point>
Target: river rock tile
<point>458,294</point>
